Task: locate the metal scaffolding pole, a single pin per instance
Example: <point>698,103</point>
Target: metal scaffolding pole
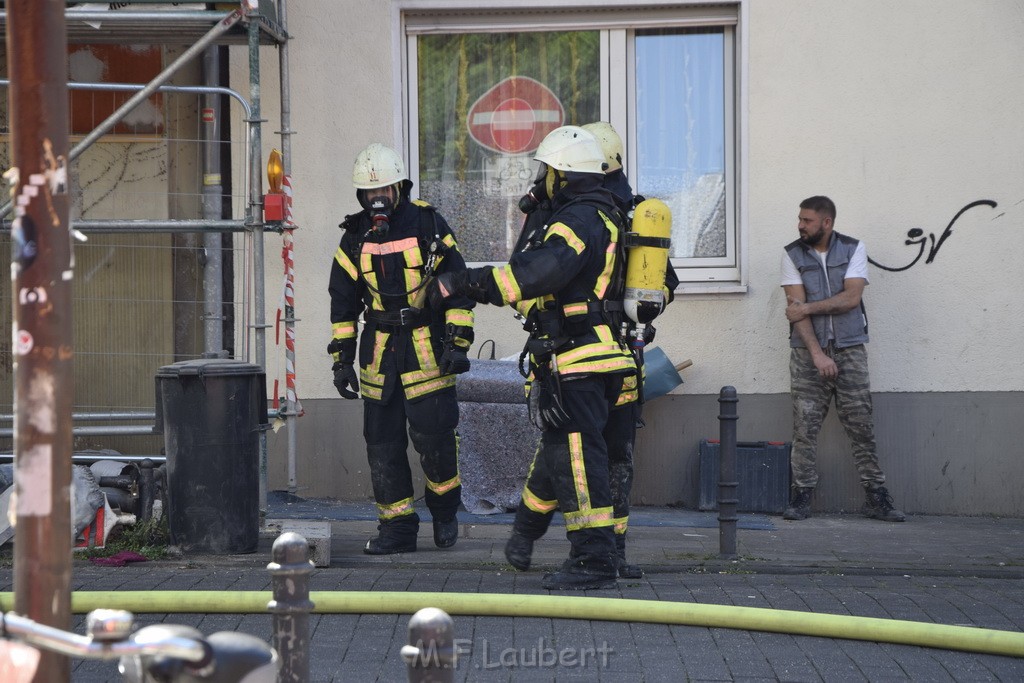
<point>255,220</point>
<point>103,128</point>
<point>41,267</point>
<point>291,404</point>
<point>213,190</point>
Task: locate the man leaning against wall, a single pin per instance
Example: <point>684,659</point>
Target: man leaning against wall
<point>824,274</point>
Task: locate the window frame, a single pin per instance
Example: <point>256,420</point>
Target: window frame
<point>617,22</point>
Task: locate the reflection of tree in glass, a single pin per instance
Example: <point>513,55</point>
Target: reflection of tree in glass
<point>454,70</point>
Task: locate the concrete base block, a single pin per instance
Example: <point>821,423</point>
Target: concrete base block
<point>316,533</point>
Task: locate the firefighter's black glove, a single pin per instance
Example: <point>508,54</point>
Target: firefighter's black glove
<point>345,380</point>
<point>454,361</point>
<point>545,407</point>
<point>445,285</point>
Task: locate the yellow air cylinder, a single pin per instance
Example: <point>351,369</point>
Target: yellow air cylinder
<point>646,260</point>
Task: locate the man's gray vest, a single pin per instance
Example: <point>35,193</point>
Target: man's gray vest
<point>850,328</point>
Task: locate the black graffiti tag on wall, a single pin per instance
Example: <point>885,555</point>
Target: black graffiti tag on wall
<point>916,236</point>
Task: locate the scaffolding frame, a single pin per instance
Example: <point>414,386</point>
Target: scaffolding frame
<point>255,23</point>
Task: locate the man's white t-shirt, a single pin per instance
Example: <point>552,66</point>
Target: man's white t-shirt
<point>858,266</point>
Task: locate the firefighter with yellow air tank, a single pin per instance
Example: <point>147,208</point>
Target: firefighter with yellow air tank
<point>648,286</point>
<point>562,277</point>
<point>408,352</point>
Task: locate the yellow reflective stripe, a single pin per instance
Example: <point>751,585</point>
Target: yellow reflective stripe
<point>579,470</point>
<point>422,347</point>
<point>620,524</point>
<point>424,388</point>
<point>459,316</point>
<point>371,392</point>
<point>610,252</point>
<point>610,365</point>
<point>345,329</point>
<point>588,519</point>
<point>566,233</point>
<point>393,247</point>
<point>346,263</point>
<point>588,351</point>
<point>366,270</point>
<point>410,378</point>
<point>507,284</point>
<point>449,239</point>
<point>414,257</point>
<point>393,510</point>
<point>627,397</point>
<point>533,502</point>
<point>413,278</point>
<point>574,309</point>
<point>524,307</point>
<point>371,377</point>
<point>605,278</point>
<point>604,333</point>
<point>443,487</point>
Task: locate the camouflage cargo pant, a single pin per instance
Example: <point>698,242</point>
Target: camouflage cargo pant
<point>811,397</point>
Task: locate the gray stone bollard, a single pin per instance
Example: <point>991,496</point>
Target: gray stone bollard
<point>430,655</point>
<point>728,498</point>
<point>291,605</point>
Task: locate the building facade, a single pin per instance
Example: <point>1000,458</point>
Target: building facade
<point>906,114</point>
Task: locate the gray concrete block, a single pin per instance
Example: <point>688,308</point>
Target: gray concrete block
<point>316,533</point>
<point>497,441</point>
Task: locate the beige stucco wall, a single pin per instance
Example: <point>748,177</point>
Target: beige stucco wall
<point>903,113</point>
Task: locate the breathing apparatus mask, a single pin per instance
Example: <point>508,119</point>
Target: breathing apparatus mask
<point>545,185</point>
<point>380,203</point>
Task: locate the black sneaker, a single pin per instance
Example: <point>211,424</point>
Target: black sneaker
<point>519,551</point>
<point>879,506</point>
<point>390,541</point>
<point>571,581</point>
<point>799,505</point>
<point>446,533</point>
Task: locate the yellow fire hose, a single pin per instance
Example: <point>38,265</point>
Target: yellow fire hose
<point>922,634</point>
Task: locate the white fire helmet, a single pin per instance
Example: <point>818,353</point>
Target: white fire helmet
<point>611,143</point>
<point>377,166</point>
<point>570,148</point>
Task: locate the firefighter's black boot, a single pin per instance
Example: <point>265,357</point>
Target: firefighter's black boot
<point>394,537</point>
<point>446,532</point>
<point>519,551</point>
<point>575,577</point>
<point>626,570</point>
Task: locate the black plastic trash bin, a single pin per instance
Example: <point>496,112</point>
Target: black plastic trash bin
<point>210,412</point>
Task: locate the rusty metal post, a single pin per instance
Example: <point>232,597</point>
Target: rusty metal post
<point>291,605</point>
<point>728,498</point>
<point>430,656</point>
<point>41,269</point>
<point>147,489</point>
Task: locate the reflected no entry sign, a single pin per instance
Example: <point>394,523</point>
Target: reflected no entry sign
<point>514,115</point>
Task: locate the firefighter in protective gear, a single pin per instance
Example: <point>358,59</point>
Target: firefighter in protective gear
<point>560,279</point>
<point>409,352</point>
<point>624,419</point>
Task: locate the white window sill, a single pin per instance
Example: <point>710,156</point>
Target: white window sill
<point>710,288</point>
